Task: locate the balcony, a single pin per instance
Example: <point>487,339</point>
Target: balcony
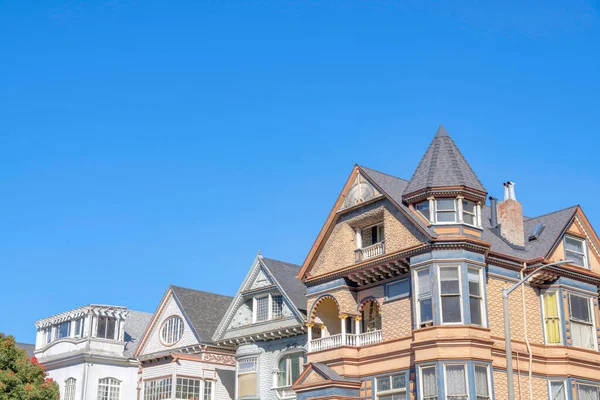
<point>345,339</point>
<point>371,251</point>
<point>285,393</point>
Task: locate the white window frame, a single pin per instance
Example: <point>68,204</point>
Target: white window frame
<point>200,387</point>
<point>78,327</point>
<point>560,316</point>
<point>287,355</point>
<point>456,216</point>
<point>592,316</point>
<point>172,328</point>
<point>418,298</point>
<point>70,389</point>
<point>464,365</point>
<point>116,332</point>
<point>488,374</point>
<point>475,213</point>
<point>110,383</point>
<point>460,294</point>
<point>272,298</point>
<point>203,389</point>
<point>59,325</point>
<point>238,372</point>
<point>584,247</point>
<point>421,368</point>
<point>391,391</point>
<point>561,381</point>
<point>270,305</point>
<point>482,300</point>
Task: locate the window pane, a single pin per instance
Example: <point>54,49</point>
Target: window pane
<point>110,328</point>
<point>481,382</point>
<point>426,310</point>
<point>474,287</point>
<point>469,206</point>
<point>475,308</point>
<point>574,244</point>
<point>451,309</point>
<point>63,330</point>
<point>398,382</point>
<point>456,381</point>
<point>449,280</point>
<point>577,258</point>
<point>383,384</point>
<point>401,288</point>
<point>445,204</point>
<point>424,282</point>
<point>262,309</point>
<point>429,382</point>
<point>101,331</point>
<point>582,335</point>
<point>587,392</point>
<point>297,361</point>
<point>469,219</point>
<point>580,308</point>
<point>557,391</point>
<point>247,385</point>
<point>423,208</point>
<point>446,216</point>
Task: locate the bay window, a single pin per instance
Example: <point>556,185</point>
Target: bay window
<point>428,383</point>
<point>289,369</point>
<point>482,382</point>
<point>187,389</point>
<point>475,296</point>
<point>583,333</point>
<point>445,211</point>
<point>423,298</point>
<point>456,382</point>
<point>158,389</point>
<point>423,209</point>
<point>247,384</point>
<point>391,387</point>
<point>469,212</point>
<point>576,250</point>
<point>588,392</point>
<point>552,325</point>
<point>557,390</point>
<point>450,295</point>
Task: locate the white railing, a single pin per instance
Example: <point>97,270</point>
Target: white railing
<point>351,339</point>
<point>367,338</point>
<point>325,343</point>
<point>285,393</point>
<point>371,251</point>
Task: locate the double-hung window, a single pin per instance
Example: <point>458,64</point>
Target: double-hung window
<point>428,383</point>
<point>475,296</point>
<point>588,392</point>
<point>423,298</point>
<point>267,307</point>
<point>391,387</point>
<point>289,369</point>
<point>482,382</point>
<point>576,250</point>
<point>246,376</point>
<point>456,382</point>
<point>445,211</point>
<point>450,294</point>
<point>557,390</point>
<point>551,317</point>
<point>582,323</point>
<point>469,210</point>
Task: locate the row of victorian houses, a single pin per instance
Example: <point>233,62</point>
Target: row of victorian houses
<point>400,297</point>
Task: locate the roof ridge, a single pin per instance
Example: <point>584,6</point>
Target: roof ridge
<point>283,262</point>
<point>554,212</point>
<point>384,173</point>
<point>201,291</point>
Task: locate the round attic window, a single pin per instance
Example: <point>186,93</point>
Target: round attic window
<point>358,193</point>
<point>172,330</point>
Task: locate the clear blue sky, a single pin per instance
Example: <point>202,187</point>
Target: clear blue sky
<point>144,143</point>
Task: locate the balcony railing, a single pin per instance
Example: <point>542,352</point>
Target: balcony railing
<point>285,393</point>
<point>371,251</point>
<point>350,339</point>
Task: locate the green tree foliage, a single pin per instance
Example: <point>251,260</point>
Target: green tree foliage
<point>23,378</point>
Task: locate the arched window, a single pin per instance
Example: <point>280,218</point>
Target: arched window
<point>289,368</point>
<point>172,330</point>
<point>371,317</point>
<point>70,385</point>
<point>109,389</point>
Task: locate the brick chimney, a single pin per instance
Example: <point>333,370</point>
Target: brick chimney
<point>510,217</point>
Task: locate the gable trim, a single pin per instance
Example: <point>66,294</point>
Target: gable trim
<point>153,322</point>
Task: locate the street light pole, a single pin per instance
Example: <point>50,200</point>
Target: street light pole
<point>507,342</point>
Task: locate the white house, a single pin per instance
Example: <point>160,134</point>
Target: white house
<point>88,351</point>
<point>178,358</point>
<point>266,323</point>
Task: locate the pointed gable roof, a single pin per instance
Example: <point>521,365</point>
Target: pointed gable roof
<point>286,276</point>
<point>443,165</point>
<point>203,309</point>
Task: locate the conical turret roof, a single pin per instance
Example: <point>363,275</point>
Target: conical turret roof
<point>443,165</point>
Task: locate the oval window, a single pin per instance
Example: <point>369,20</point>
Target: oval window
<point>172,330</point>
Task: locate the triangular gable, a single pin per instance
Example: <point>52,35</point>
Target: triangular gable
<point>339,205</point>
<point>151,343</point>
<point>317,375</point>
<point>579,226</point>
<point>258,277</point>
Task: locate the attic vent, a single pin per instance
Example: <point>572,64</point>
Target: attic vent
<point>537,230</point>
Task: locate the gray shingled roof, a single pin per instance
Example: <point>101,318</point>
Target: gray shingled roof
<point>330,374</point>
<point>205,310</point>
<point>135,326</point>
<point>29,348</point>
<point>554,225</point>
<point>443,165</point>
<point>285,274</point>
<point>395,187</point>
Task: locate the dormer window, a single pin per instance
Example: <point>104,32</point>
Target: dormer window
<point>267,307</point>
<point>445,211</point>
<point>106,328</point>
<point>576,251</point>
<point>63,330</point>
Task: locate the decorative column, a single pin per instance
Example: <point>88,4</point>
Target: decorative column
<point>357,320</point>
<point>309,326</point>
<point>459,200</point>
<point>431,208</point>
<point>343,318</point>
<point>358,232</point>
<point>478,207</point>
